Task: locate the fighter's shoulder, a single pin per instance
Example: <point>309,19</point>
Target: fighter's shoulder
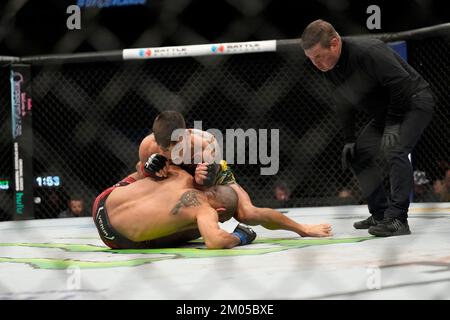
<point>149,139</point>
<point>148,146</point>
<point>190,200</point>
<point>148,142</point>
<point>193,196</point>
<point>200,134</point>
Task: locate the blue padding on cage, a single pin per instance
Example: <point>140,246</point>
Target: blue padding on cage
<point>400,48</point>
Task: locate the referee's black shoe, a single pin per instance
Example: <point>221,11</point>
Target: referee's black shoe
<point>390,227</point>
<point>367,223</point>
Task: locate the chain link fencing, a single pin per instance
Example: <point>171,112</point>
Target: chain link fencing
<point>89,118</point>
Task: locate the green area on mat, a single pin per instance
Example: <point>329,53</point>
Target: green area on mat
<point>274,245</point>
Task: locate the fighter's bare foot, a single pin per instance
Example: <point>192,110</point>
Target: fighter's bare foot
<point>317,230</point>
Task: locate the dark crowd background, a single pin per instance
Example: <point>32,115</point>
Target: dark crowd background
<point>33,27</point>
<point>88,119</point>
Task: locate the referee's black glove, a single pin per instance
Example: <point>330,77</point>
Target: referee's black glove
<point>391,136</point>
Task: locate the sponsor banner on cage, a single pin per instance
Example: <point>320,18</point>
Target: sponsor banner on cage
<point>200,50</point>
<point>21,110</point>
<point>108,3</point>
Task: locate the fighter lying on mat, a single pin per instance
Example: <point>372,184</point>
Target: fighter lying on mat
<point>155,154</point>
<point>146,213</point>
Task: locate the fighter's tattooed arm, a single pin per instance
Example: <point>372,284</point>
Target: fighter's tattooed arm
<point>187,199</point>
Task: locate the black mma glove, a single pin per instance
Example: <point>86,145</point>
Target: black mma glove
<point>154,164</point>
<point>245,234</point>
<point>348,153</point>
<point>391,136</point>
<point>213,168</point>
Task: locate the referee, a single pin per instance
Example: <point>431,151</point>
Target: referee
<point>366,74</point>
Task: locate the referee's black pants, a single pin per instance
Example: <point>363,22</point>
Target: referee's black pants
<point>400,170</point>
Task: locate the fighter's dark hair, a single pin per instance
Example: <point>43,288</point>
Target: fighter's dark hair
<point>164,125</point>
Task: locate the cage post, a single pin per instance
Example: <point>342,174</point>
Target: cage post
<point>22,138</point>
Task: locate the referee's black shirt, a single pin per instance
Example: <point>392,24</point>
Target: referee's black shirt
<point>371,76</point>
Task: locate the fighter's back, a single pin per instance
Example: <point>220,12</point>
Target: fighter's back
<point>144,210</point>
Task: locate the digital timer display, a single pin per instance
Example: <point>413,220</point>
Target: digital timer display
<point>48,181</point>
